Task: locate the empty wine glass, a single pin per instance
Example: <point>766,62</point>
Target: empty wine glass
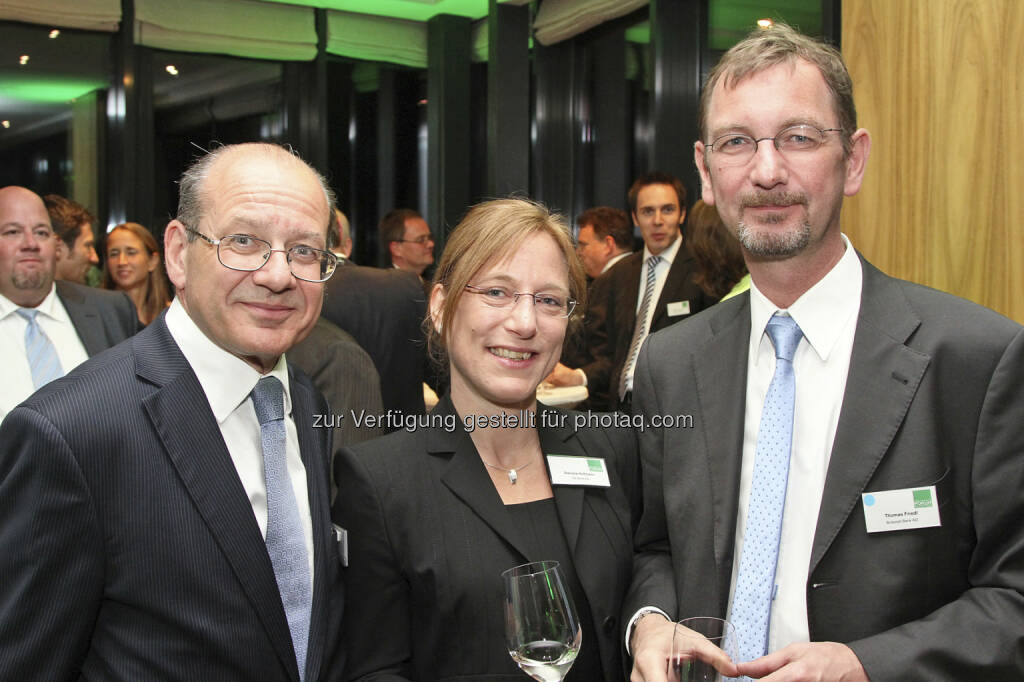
<point>691,636</point>
<point>541,628</point>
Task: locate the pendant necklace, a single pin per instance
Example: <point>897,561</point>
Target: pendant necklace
<point>513,475</point>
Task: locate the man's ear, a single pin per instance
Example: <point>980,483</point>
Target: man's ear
<point>175,246</point>
<point>700,160</point>
<point>61,249</point>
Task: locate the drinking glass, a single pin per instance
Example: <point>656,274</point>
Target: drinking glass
<point>541,628</point>
<point>690,635</point>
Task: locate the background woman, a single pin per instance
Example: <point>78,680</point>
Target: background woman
<point>133,265</point>
<point>435,513</point>
<point>722,272</point>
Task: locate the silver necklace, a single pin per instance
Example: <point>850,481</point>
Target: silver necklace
<point>513,474</point>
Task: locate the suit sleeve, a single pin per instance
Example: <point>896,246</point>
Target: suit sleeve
<point>980,635</point>
<point>51,560</point>
<point>653,583</point>
<point>596,333</point>
<point>377,629</point>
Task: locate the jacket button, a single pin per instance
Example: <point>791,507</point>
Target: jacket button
<point>609,625</point>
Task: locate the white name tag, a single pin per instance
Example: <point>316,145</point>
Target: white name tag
<point>570,470</point>
<point>904,509</point>
<point>677,308</point>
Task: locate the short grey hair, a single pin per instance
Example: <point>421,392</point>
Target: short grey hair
<point>191,195</point>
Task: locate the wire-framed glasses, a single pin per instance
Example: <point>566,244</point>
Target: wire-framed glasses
<point>552,305</point>
<point>421,240</point>
<point>736,148</point>
<point>247,253</point>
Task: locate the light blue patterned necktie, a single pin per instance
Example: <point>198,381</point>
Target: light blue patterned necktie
<point>640,328</point>
<point>755,583</point>
<point>42,355</point>
<point>286,543</point>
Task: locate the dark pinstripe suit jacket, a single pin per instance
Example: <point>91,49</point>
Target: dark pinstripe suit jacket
<point>130,549</point>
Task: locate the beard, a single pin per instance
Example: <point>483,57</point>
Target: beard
<point>770,243</point>
<point>33,279</point>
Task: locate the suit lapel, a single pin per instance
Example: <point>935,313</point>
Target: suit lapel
<point>568,499</point>
<point>675,281</point>
<point>883,378</point>
<point>466,476</point>
<point>315,460</point>
<point>721,392</point>
<point>193,442</point>
<point>628,295</point>
<point>85,318</point>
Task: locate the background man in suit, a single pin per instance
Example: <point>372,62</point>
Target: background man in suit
<point>406,239</point>
<point>384,310</point>
<point>77,247</point>
<point>874,425</point>
<point>69,323</point>
<point>183,532</point>
<point>644,292</point>
<point>605,238</point>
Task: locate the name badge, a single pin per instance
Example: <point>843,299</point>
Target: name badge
<point>570,470</point>
<point>904,509</point>
<point>341,538</point>
<point>677,308</point>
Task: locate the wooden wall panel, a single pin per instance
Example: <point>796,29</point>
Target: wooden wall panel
<point>939,85</point>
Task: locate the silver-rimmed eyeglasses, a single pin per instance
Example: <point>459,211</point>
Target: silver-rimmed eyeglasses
<point>552,305</point>
<point>736,148</point>
<point>247,253</point>
<point>421,240</point>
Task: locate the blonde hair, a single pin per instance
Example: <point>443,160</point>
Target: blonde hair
<point>781,44</point>
<point>491,231</point>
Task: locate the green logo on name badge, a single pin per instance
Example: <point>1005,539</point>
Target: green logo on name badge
<point>595,465</point>
<point>922,498</point>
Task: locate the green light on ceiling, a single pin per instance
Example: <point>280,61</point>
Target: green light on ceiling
<point>402,9</point>
<point>46,89</point>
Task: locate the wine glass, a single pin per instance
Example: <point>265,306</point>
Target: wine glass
<point>691,634</point>
<point>541,628</point>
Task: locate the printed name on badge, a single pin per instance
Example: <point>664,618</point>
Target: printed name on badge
<point>571,470</point>
<point>905,509</point>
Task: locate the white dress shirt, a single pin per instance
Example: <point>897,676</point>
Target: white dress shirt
<point>660,275</point>
<point>53,319</point>
<point>613,260</point>
<point>227,382</point>
<point>827,315</point>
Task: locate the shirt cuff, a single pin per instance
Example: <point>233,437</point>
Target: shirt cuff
<point>636,616</point>
<point>582,374</point>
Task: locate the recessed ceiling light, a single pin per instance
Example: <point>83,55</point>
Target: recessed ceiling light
<point>54,33</point>
<point>5,124</point>
<point>23,59</point>
<point>765,23</point>
<point>171,69</point>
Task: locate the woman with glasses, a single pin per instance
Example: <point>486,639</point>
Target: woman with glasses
<point>436,511</point>
<point>133,265</point>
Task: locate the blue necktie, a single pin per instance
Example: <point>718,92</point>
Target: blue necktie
<point>640,328</point>
<point>755,583</point>
<point>286,543</point>
<point>42,355</point>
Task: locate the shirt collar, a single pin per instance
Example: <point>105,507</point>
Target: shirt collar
<point>669,254</point>
<point>613,260</point>
<point>822,311</point>
<point>49,307</point>
<point>226,379</point>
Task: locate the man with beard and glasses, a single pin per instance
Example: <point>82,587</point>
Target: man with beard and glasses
<point>47,328</point>
<point>848,491</point>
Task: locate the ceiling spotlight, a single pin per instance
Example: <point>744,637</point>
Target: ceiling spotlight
<point>171,69</point>
<point>5,124</point>
<point>765,23</point>
<point>54,33</point>
<point>23,59</point>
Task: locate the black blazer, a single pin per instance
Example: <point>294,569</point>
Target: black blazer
<point>429,538</point>
<point>611,317</point>
<point>130,549</point>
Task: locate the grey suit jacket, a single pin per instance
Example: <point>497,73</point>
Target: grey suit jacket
<point>130,548</point>
<point>934,395</point>
<point>102,318</point>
